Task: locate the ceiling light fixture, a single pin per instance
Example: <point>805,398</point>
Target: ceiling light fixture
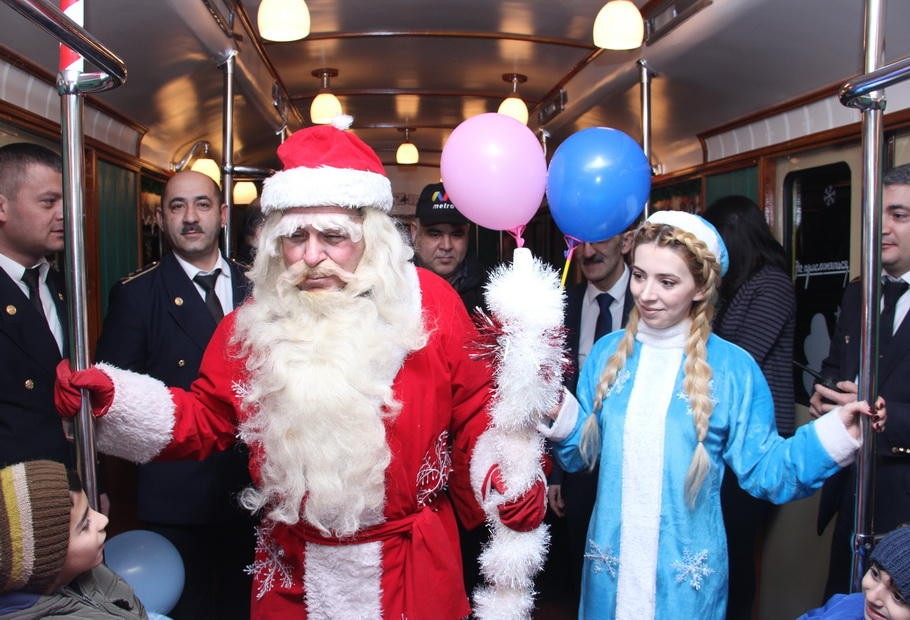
<point>407,151</point>
<point>206,165</point>
<point>513,105</point>
<point>283,20</point>
<point>325,105</point>
<point>619,26</point>
<point>245,192</point>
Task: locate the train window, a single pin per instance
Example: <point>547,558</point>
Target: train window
<point>817,212</point>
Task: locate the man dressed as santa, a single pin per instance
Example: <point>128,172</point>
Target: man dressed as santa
<point>349,376</point>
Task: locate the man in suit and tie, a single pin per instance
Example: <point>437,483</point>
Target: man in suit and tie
<point>159,322</point>
<point>595,307</point>
<point>33,316</point>
<point>892,460</point>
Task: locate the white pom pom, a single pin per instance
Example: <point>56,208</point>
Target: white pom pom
<point>342,121</point>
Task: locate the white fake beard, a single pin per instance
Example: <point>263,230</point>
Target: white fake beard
<point>322,366</point>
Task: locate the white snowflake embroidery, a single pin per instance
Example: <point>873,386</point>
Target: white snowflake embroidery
<point>241,390</point>
<point>693,567</point>
<point>266,569</point>
<point>617,386</point>
<point>433,474</point>
<point>602,559</point>
<point>683,396</point>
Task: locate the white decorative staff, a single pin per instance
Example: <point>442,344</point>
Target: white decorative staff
<point>526,301</point>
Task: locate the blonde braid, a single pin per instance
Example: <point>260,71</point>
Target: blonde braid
<point>697,372</point>
<point>590,434</point>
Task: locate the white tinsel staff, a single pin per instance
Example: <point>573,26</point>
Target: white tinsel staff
<point>526,302</point>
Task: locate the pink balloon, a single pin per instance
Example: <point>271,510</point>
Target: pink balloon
<point>494,171</point>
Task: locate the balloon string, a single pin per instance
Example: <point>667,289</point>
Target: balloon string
<point>517,233</point>
<point>571,243</point>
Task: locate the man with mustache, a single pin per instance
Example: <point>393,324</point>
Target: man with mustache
<point>349,375</point>
<point>598,305</point>
<point>33,319</point>
<point>159,322</point>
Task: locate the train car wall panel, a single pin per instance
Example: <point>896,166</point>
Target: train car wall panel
<point>38,97</point>
<point>806,120</point>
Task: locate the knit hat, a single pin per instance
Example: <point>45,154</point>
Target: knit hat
<point>326,166</point>
<point>34,525</point>
<point>892,553</point>
<point>434,207</point>
<point>698,226</point>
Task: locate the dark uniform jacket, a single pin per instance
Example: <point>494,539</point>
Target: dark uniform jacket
<point>892,447</point>
<point>157,324</point>
<point>30,427</point>
<point>892,474</point>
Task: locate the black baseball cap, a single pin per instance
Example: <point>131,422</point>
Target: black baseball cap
<point>434,207</point>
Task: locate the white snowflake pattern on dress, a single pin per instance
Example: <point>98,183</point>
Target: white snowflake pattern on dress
<point>241,390</point>
<point>602,559</point>
<point>619,382</point>
<point>270,567</point>
<point>693,567</point>
<point>681,395</point>
<point>433,474</point>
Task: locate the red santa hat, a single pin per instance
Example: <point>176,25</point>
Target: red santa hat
<point>327,166</point>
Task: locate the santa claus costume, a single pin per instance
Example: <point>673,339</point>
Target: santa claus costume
<point>361,407</point>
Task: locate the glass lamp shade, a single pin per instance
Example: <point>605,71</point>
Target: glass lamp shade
<point>208,167</point>
<point>244,193</point>
<point>283,20</point>
<point>324,108</point>
<point>407,153</point>
<point>619,26</point>
<point>516,108</point>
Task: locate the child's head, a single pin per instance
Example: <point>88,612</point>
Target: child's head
<point>48,534</point>
<point>886,585</point>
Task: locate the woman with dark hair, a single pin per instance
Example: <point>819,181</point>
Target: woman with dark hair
<point>757,311</point>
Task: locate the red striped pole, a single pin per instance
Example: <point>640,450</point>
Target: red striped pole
<point>75,10</point>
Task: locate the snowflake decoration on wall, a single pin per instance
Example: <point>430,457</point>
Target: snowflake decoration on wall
<point>692,568</point>
<point>829,195</point>
<point>269,567</point>
<point>602,559</point>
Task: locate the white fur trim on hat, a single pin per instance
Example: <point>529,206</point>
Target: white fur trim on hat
<point>326,187</point>
<point>701,228</point>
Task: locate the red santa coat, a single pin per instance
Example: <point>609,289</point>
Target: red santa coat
<point>409,566</point>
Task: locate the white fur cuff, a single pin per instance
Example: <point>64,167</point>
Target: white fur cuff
<point>837,440</point>
<point>565,421</point>
<point>140,421</point>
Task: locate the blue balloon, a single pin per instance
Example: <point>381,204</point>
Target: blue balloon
<point>597,184</point>
<point>151,564</point>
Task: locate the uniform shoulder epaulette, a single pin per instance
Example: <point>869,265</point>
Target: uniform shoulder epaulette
<point>147,269</point>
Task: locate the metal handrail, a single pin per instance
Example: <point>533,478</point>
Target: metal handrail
<point>859,92</point>
<point>74,36</point>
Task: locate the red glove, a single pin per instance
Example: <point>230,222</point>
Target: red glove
<point>525,512</point>
<point>68,398</point>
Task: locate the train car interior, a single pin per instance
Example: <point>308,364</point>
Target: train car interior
<point>729,97</point>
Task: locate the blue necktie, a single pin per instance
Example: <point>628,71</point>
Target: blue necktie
<point>604,323</point>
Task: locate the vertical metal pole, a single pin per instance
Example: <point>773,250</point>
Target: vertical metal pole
<point>71,105</point>
<point>645,80</point>
<point>227,150</point>
<point>871,286</point>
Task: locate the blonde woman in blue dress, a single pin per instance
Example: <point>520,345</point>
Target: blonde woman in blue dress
<point>662,406</point>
